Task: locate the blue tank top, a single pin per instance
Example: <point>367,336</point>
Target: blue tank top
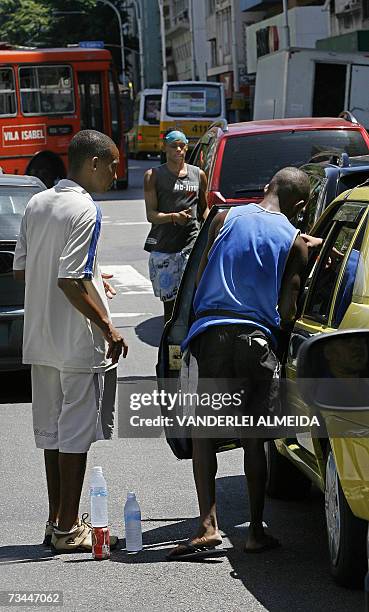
<point>244,271</point>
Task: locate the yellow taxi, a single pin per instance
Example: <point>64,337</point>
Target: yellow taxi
<point>335,297</point>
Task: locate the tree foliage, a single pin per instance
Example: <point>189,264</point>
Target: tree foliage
<point>57,23</point>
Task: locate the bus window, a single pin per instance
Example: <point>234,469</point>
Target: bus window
<point>192,101</point>
<point>114,110</point>
<point>90,91</point>
<point>46,90</point>
<point>152,109</point>
<point>7,93</point>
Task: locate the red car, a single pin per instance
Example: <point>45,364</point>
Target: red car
<point>239,159</point>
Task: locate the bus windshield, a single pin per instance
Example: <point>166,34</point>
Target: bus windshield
<point>152,109</point>
<point>194,101</point>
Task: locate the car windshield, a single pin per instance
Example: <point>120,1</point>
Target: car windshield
<point>13,201</point>
<point>251,160</point>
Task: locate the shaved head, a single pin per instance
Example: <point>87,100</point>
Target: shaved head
<point>290,185</point>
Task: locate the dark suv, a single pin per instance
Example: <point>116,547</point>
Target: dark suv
<point>330,173</point>
<point>240,158</point>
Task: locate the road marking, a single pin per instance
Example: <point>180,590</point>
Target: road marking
<point>127,280</point>
<point>126,223</point>
<point>127,315</point>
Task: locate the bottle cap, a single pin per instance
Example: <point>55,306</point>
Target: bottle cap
<point>131,495</point>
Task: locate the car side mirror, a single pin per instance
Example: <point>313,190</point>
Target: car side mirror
<point>333,371</point>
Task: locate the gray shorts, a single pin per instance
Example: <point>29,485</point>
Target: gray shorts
<point>166,271</point>
<point>72,409</point>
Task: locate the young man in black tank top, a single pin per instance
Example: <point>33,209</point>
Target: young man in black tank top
<point>175,203</point>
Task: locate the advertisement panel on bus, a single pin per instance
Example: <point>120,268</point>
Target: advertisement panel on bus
<point>143,138</point>
<point>46,96</point>
<point>191,106</point>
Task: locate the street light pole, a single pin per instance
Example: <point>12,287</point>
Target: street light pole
<point>163,43</point>
<point>114,8</point>
<point>137,8</point>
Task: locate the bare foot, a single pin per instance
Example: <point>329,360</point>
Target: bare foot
<point>260,543</point>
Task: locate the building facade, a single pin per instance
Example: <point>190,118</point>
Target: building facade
<point>187,47</point>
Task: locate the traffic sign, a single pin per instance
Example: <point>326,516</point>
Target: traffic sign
<point>91,44</point>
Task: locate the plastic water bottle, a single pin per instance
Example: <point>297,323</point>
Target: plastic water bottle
<point>132,520</point>
<point>99,498</point>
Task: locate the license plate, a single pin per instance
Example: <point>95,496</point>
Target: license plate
<point>199,129</point>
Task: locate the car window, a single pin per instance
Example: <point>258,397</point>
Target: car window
<point>305,220</point>
<point>13,201</point>
<point>328,267</point>
<point>351,180</point>
<point>345,290</point>
<point>250,160</point>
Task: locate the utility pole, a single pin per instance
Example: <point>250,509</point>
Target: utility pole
<point>114,8</point>
<point>193,49</point>
<point>286,27</point>
<point>236,82</point>
<point>137,8</point>
<point>163,43</point>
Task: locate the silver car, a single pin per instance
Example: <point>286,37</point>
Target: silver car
<point>15,192</point>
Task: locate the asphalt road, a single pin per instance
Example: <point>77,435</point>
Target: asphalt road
<point>294,577</point>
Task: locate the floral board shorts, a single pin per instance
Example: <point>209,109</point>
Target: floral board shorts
<point>166,271</point>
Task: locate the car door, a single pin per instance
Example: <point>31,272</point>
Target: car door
<point>328,294</point>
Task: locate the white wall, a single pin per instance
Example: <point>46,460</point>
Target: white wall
<point>307,25</point>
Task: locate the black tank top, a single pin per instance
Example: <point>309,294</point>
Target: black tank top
<point>175,194</point>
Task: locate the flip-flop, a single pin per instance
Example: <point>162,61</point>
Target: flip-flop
<point>269,545</point>
<point>192,551</point>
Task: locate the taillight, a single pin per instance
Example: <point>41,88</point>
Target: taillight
<point>162,134</point>
<point>215,197</point>
<point>139,137</point>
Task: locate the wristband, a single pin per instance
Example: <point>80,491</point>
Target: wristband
<point>171,214</point>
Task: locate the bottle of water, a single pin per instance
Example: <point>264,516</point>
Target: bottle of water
<point>99,498</point>
<point>132,520</point>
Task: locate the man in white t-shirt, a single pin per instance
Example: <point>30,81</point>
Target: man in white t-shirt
<point>68,335</point>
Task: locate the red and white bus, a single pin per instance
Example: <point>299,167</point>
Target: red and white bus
<point>46,96</point>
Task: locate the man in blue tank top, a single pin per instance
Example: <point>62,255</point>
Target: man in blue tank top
<point>248,283</point>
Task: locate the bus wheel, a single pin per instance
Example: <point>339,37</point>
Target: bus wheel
<point>49,169</point>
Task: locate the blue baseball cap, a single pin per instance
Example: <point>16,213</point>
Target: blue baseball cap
<point>175,135</point>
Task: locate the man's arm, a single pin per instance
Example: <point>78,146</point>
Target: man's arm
<point>214,229</point>
<point>291,282</point>
<point>77,294</point>
<point>151,202</point>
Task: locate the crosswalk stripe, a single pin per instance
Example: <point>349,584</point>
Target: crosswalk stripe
<point>114,223</point>
<point>126,280</point>
<point>129,315</point>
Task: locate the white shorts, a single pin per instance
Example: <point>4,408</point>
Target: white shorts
<point>166,271</point>
<point>72,409</point>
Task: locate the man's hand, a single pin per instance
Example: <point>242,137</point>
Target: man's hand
<point>116,343</point>
<point>109,289</point>
<point>183,217</point>
<point>312,242</point>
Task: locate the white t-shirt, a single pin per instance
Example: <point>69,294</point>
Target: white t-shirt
<point>58,239</point>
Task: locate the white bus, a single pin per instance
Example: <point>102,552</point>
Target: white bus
<point>191,106</point>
